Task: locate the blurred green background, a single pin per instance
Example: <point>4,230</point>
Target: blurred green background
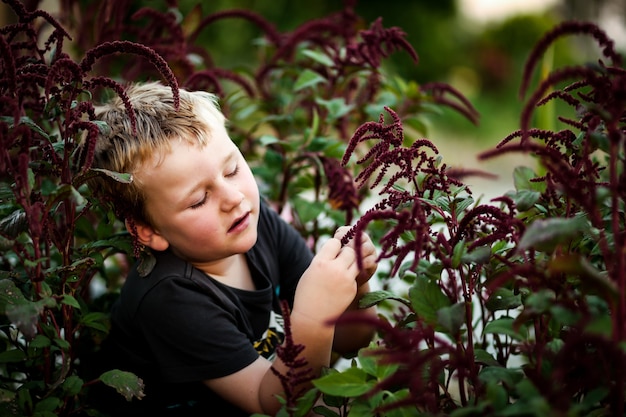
<point>477,46</point>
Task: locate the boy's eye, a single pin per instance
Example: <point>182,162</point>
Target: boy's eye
<point>199,203</point>
<point>233,172</point>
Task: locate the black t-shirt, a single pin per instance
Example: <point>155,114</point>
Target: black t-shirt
<point>177,326</point>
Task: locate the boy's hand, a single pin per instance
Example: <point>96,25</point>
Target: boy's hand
<point>369,257</point>
<point>328,286</point>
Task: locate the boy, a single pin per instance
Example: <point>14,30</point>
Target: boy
<point>202,327</point>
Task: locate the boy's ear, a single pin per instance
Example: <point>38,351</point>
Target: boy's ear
<point>147,236</point>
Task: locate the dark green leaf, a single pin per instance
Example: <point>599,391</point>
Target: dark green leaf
<point>12,356</point>
<point>9,295</point>
<point>484,357</point>
<point>458,252</point>
<point>427,299</point>
<point>451,318</point>
<point>370,363</point>
<point>326,412</point>
<point>14,224</point>
<point>350,383</point>
<point>72,385</point>
<point>70,301</point>
<point>376,297</point>
<point>25,315</point>
<point>540,301</point>
<point>479,256</point>
<point>522,177</point>
<point>526,199</point>
<point>308,210</point>
<point>499,374</point>
<point>336,107</point>
<point>40,341</point>
<point>546,234</point>
<point>26,121</point>
<point>126,383</point>
<point>124,178</point>
<point>417,124</point>
<point>147,261</point>
<point>308,78</point>
<point>503,299</point>
<point>319,57</point>
<point>266,140</point>
<point>96,320</point>
<point>506,326</point>
<point>48,404</point>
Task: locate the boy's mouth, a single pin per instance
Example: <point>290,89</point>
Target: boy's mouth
<point>239,223</point>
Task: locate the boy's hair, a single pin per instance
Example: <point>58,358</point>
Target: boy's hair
<point>158,122</point>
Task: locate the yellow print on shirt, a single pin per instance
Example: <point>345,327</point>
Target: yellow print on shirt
<point>272,337</point>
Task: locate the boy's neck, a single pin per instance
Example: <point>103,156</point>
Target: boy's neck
<point>232,271</point>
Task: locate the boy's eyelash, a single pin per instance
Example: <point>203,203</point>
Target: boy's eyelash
<point>235,171</point>
<point>199,204</point>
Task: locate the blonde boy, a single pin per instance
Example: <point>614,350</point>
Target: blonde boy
<point>202,328</point>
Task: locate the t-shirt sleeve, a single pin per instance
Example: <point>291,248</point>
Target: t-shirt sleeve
<point>196,336</point>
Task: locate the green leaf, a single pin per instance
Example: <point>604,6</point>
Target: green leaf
<point>308,78</point>
<point>266,140</point>
<point>40,341</point>
<point>126,383</point>
<point>325,412</point>
<point>546,234</point>
<point>147,262</point>
<point>370,364</point>
<point>70,301</point>
<point>72,385</point>
<point>484,357</point>
<point>12,356</point>
<point>526,199</point>
<point>592,280</point>
<point>417,124</point>
<point>121,242</point>
<point>96,320</point>
<point>350,383</point>
<point>506,326</point>
<point>26,121</point>
<point>336,107</point>
<point>376,297</point>
<point>427,299</point>
<point>503,299</point>
<point>457,253</point>
<point>307,210</point>
<point>479,256</point>
<point>65,192</point>
<point>540,301</point>
<point>25,315</point>
<point>318,57</point>
<point>9,295</point>
<point>124,178</point>
<point>452,318</point>
<point>15,223</point>
<point>522,177</point>
<point>48,404</point>
<point>500,374</point>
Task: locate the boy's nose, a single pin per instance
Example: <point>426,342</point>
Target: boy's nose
<point>232,198</point>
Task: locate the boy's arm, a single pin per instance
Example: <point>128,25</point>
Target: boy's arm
<point>350,337</point>
<point>325,291</point>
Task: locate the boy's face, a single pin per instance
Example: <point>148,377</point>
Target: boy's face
<point>203,201</point>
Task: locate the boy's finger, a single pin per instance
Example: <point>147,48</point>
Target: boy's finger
<point>330,249</point>
<point>341,232</point>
